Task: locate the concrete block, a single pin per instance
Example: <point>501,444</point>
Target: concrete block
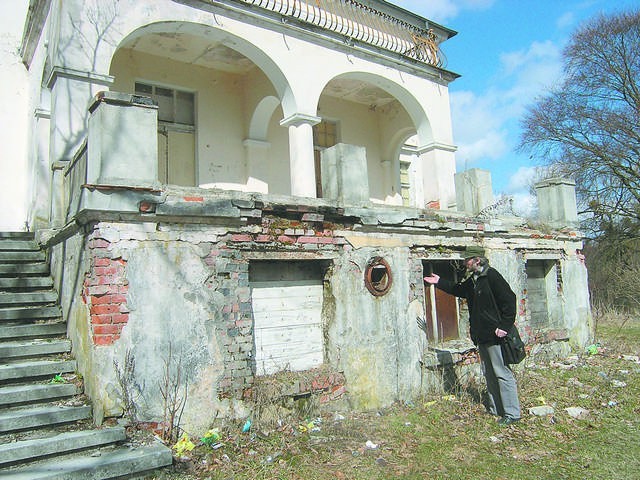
<point>344,174</point>
<point>474,190</point>
<point>122,462</point>
<point>33,348</point>
<point>16,394</point>
<point>38,368</point>
<point>25,418</point>
<point>62,443</point>
<point>31,313</point>
<point>33,330</point>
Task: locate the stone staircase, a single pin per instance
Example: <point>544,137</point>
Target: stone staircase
<point>45,422</point>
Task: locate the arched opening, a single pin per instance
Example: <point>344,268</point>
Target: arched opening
<point>372,112</point>
<point>211,99</point>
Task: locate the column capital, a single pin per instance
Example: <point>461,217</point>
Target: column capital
<point>298,119</point>
<point>447,147</point>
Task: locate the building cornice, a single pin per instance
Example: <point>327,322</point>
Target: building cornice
<point>79,75</point>
<point>33,26</point>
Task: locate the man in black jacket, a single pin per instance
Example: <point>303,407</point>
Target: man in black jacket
<point>492,312</point>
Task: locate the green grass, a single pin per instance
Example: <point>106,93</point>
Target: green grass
<point>452,437</point>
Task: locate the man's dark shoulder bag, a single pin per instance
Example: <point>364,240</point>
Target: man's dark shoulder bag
<point>512,345</point>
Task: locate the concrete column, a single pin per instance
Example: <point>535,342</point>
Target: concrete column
<point>301,160</point>
<point>344,174</point>
<point>438,170</point>
<point>557,202</point>
<point>256,152</point>
<point>474,190</point>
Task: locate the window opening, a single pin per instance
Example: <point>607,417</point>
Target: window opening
<point>542,283</point>
<point>176,133</point>
<point>442,311</point>
<point>377,276</point>
<point>286,304</point>
<point>405,183</point>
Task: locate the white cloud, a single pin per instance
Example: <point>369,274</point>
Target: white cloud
<point>442,10</point>
<point>523,178</point>
<point>485,125</point>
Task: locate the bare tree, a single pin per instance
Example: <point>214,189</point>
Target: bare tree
<point>588,127</point>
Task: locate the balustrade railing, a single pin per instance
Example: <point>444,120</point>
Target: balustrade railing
<point>360,22</point>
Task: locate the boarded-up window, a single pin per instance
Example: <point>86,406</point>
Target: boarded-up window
<point>287,305</point>
<point>325,135</point>
<point>176,133</point>
<point>405,183</point>
<point>544,284</point>
<point>441,309</point>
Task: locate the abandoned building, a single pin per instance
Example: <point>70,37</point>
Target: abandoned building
<point>240,188</point>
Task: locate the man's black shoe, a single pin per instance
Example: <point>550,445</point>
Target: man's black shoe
<point>506,421</point>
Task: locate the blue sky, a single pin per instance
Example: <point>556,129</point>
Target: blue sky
<point>508,52</point>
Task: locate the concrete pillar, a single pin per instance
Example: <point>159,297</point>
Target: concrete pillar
<point>438,170</point>
<point>474,191</point>
<point>71,90</point>
<point>557,202</point>
<point>256,152</point>
<point>40,189</point>
<point>344,174</point>
<point>303,176</point>
<point>122,147</point>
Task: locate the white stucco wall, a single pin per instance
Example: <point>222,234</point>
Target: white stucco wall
<point>14,98</point>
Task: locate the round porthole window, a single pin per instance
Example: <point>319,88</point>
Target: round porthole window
<point>377,276</point>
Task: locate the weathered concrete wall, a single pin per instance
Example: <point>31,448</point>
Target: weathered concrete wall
<point>149,287</point>
<point>374,340</point>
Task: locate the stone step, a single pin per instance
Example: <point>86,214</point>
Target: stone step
<point>23,270</point>
<point>25,283</point>
<point>16,419</point>
<point>33,348</point>
<point>21,257</point>
<point>29,313</point>
<point>27,298</point>
<point>16,236</point>
<point>35,392</point>
<point>122,462</point>
<point>12,453</point>
<point>39,330</point>
<point>18,371</point>
<point>19,245</point>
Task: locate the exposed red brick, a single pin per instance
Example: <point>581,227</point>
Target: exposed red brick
<point>101,319</point>
<point>103,339</point>
<point>286,239</point>
<point>308,239</point>
<point>101,262</point>
<point>102,300</point>
<point>193,199</point>
<point>106,329</point>
<point>241,237</point>
<point>264,238</point>
<point>98,289</point>
<point>120,318</point>
<point>325,240</point>
<point>99,243</point>
<point>104,309</point>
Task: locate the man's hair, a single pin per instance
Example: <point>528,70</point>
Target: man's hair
<point>484,261</point>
